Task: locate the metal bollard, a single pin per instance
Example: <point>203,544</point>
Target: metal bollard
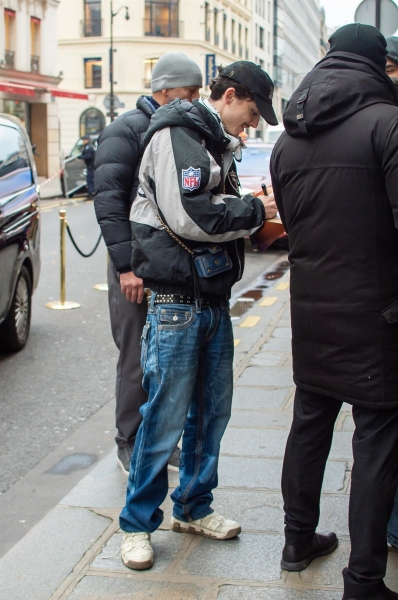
<point>103,287</point>
<point>62,304</point>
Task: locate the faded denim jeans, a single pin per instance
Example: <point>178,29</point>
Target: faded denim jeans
<point>187,363</point>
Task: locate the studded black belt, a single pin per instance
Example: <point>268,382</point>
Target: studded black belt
<point>178,299</point>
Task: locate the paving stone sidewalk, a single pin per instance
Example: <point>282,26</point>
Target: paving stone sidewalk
<point>74,552</point>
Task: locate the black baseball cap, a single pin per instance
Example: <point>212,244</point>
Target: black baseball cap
<point>258,82</point>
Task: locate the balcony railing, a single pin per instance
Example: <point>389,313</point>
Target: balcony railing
<point>35,63</point>
<point>9,56</point>
<point>91,27</point>
<point>163,28</point>
<point>207,33</point>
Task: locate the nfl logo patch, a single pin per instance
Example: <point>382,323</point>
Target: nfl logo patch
<point>190,179</point>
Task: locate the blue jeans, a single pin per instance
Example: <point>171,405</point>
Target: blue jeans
<point>187,363</point>
<point>392,528</point>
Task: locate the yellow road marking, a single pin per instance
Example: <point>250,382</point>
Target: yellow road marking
<point>282,286</point>
<point>269,301</point>
<point>250,322</point>
<point>236,343</point>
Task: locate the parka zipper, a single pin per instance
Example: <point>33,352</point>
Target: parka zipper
<point>222,173</point>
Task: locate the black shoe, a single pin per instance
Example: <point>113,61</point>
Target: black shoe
<point>384,594</point>
<point>174,460</point>
<point>298,558</point>
<point>124,458</point>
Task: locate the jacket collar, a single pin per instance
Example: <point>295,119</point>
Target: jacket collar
<point>146,104</point>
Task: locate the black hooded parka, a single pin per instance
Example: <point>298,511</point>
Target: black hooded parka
<point>335,178</point>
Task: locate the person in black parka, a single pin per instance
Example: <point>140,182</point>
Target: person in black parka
<point>335,178</point>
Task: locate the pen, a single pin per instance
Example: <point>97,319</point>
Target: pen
<point>264,188</point>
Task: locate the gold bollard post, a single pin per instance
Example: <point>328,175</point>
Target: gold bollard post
<point>62,304</point>
<point>103,287</point>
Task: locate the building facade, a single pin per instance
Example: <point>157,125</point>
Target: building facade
<point>297,29</point>
<point>263,43</point>
<point>211,32</point>
<point>29,74</point>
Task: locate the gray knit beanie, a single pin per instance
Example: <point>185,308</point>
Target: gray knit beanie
<point>174,70</point>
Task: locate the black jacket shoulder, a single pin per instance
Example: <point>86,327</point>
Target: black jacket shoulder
<point>117,163</point>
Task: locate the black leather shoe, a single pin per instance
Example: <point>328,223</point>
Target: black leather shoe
<point>298,558</point>
<point>384,594</point>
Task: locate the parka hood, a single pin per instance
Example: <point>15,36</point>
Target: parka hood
<point>182,113</point>
<point>339,86</point>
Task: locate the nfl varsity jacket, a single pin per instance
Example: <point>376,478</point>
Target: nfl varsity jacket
<point>188,178</point>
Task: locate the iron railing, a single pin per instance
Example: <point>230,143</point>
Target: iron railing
<point>9,56</point>
<point>91,27</point>
<point>163,28</point>
<point>35,63</point>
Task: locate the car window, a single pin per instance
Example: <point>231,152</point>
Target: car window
<point>255,162</point>
<point>15,171</point>
<point>77,148</point>
<point>273,136</point>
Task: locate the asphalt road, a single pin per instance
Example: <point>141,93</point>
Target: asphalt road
<point>60,388</point>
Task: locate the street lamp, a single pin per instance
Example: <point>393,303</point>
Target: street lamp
<point>111,51</point>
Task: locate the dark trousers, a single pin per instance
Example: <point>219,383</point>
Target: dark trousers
<point>127,322</point>
<point>373,485</point>
<point>90,180</point>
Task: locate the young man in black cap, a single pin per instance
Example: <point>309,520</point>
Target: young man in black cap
<point>188,224</point>
<point>335,178</point>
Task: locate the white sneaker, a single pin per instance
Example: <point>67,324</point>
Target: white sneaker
<point>213,526</point>
<point>137,551</point>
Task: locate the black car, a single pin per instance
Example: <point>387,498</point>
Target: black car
<point>19,233</point>
<point>73,172</point>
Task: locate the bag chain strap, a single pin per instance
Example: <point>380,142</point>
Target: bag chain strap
<point>174,236</point>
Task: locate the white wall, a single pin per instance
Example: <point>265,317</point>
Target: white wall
<point>132,49</point>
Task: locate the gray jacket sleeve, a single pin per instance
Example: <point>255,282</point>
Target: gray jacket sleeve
<point>177,175</point>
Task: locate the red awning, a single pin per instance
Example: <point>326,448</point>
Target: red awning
<point>65,94</point>
<point>16,88</point>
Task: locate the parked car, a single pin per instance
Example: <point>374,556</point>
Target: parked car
<point>253,170</point>
<point>273,133</point>
<point>73,174</point>
<point>19,233</point>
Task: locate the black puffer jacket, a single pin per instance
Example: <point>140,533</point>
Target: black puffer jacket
<point>336,187</point>
<point>117,164</point>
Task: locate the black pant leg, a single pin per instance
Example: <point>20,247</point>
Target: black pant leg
<point>307,450</point>
<point>373,487</point>
<point>127,322</point>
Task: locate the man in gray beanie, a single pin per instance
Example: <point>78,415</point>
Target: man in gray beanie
<point>118,158</point>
